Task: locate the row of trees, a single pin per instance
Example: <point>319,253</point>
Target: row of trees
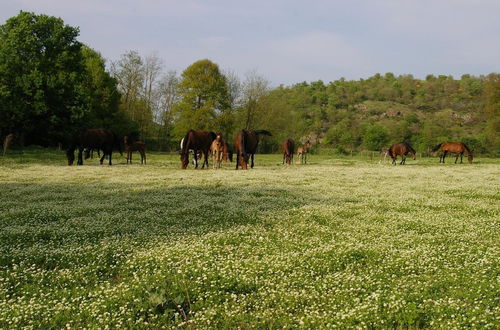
<point>51,84</point>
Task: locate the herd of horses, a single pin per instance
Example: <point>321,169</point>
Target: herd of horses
<point>203,144</point>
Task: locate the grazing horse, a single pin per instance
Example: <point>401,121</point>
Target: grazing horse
<point>131,146</point>
<point>198,141</point>
<point>245,146</point>
<point>217,150</point>
<point>227,152</point>
<point>455,148</point>
<point>7,141</point>
<point>302,152</point>
<point>97,138</point>
<point>401,149</point>
<point>288,148</point>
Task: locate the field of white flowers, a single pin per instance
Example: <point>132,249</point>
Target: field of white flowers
<point>335,243</point>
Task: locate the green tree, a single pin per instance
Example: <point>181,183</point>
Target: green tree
<point>41,77</point>
<point>375,137</point>
<point>204,100</point>
<point>492,113</point>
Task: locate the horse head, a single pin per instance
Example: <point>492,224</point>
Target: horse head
<point>185,159</point>
<point>470,158</point>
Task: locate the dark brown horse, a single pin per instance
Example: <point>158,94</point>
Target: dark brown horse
<point>131,146</point>
<point>198,141</point>
<point>401,149</point>
<point>245,146</point>
<point>302,152</point>
<point>227,152</point>
<point>97,138</point>
<point>288,148</point>
<point>457,148</point>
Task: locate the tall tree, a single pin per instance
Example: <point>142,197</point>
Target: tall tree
<point>41,76</point>
<point>255,88</point>
<point>204,100</point>
<point>492,113</point>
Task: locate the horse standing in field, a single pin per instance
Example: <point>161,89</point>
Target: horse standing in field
<point>97,138</point>
<point>457,148</point>
<point>198,141</point>
<point>245,146</point>
<point>227,152</point>
<point>131,146</point>
<point>401,149</point>
<point>7,141</point>
<point>288,148</point>
<point>302,152</point>
<point>217,150</point>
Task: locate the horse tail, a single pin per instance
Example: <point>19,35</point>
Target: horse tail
<point>263,131</point>
<point>436,148</point>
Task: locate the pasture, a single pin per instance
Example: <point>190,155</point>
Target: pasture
<point>343,242</point>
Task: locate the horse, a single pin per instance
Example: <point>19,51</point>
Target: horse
<point>245,146</point>
<point>97,138</point>
<point>198,141</point>
<point>7,141</point>
<point>288,148</point>
<point>131,145</point>
<point>453,147</point>
<point>217,150</point>
<point>198,155</point>
<point>401,149</point>
<point>227,152</point>
<point>302,152</point>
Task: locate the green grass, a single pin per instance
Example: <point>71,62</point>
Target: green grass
<point>346,242</point>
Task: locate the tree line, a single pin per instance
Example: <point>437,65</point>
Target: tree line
<point>51,85</point>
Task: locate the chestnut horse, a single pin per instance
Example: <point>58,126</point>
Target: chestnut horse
<point>227,152</point>
<point>455,148</point>
<point>131,145</point>
<point>288,148</point>
<point>302,152</point>
<point>198,141</point>
<point>401,149</point>
<point>245,146</point>
<point>217,150</point>
<point>97,138</point>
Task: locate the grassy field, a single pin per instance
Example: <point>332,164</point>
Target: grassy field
<point>344,242</point>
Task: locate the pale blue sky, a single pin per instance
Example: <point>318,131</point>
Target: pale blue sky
<point>291,41</point>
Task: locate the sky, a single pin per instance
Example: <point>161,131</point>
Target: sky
<point>290,41</point>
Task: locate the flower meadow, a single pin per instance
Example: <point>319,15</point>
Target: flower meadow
<point>337,243</point>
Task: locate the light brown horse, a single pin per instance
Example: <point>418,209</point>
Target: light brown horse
<point>245,146</point>
<point>457,148</point>
<point>288,148</point>
<point>217,150</point>
<point>7,141</point>
<point>302,152</point>
<point>401,149</point>
<point>131,146</point>
<point>198,141</point>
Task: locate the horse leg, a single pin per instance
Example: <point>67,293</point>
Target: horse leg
<point>102,158</point>
<point>284,158</point>
<point>444,155</point>
<point>195,152</point>
<point>110,153</point>
<point>461,156</point>
<point>251,166</point>
<point>80,157</point>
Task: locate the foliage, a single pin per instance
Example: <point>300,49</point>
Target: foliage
<point>204,100</point>
<point>41,77</point>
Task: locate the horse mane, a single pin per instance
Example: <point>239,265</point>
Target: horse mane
<point>436,148</point>
<point>467,148</point>
<point>212,135</point>
<point>263,131</point>
<point>410,147</point>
